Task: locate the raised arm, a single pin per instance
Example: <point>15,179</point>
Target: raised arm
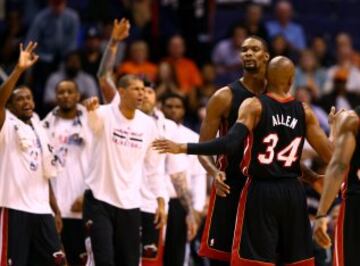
<point>316,136</point>
<point>105,73</point>
<point>336,171</point>
<point>27,58</point>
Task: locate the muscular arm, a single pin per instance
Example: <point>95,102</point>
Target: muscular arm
<point>316,136</point>
<point>340,160</point>
<point>248,117</point>
<point>105,72</point>
<point>6,90</point>
<point>216,109</point>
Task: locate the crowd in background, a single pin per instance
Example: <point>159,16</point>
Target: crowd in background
<point>171,44</point>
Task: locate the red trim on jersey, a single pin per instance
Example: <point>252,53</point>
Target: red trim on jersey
<point>158,260</point>
<point>205,250</point>
<point>4,236</point>
<point>339,237</point>
<point>222,160</point>
<point>306,262</point>
<point>280,100</point>
<point>245,163</point>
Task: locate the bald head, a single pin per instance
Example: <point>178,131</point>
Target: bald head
<point>280,72</point>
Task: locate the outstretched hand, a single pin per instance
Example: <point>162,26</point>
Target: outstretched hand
<point>27,56</point>
<point>167,146</point>
<point>91,103</point>
<point>120,30</point>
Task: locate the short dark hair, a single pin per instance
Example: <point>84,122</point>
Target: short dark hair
<point>170,95</point>
<point>124,81</point>
<point>67,80</point>
<point>263,42</point>
<point>11,98</point>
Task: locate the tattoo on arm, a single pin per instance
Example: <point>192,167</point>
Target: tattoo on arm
<point>182,191</point>
<point>108,60</point>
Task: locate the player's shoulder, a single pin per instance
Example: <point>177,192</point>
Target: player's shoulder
<point>222,97</point>
<point>252,105</point>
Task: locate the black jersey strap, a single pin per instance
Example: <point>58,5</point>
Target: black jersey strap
<point>228,144</point>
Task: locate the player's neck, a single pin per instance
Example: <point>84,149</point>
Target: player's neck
<point>254,83</point>
<point>68,114</point>
<point>129,113</point>
<point>278,94</point>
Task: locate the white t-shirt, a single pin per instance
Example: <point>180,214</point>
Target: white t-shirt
<point>70,139</point>
<point>170,163</point>
<point>22,183</point>
<point>122,147</point>
<point>195,173</point>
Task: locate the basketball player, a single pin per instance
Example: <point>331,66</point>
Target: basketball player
<point>69,134</point>
<point>28,234</point>
<point>122,148</point>
<point>221,114</point>
<point>179,181</point>
<point>173,166</point>
<point>343,169</point>
<point>179,221</point>
<point>272,216</point>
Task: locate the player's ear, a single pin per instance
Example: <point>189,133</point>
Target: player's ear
<point>267,57</point>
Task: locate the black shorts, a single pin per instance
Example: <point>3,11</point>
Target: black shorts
<point>73,239</point>
<point>347,234</point>
<point>114,232</point>
<point>219,228</point>
<point>29,239</point>
<point>272,225</point>
<point>152,241</point>
<point>176,231</point>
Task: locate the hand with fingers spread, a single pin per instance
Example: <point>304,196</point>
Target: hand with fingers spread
<point>91,103</point>
<point>222,189</point>
<point>27,56</point>
<point>320,232</point>
<point>167,146</point>
<point>120,30</point>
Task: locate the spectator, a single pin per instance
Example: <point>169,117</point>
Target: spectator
<point>166,80</point>
<point>200,97</point>
<point>321,52</point>
<point>292,31</point>
<point>344,40</point>
<point>345,63</point>
<point>226,56</point>
<point>72,70</point>
<point>309,74</point>
<point>55,29</point>
<point>187,73</point>
<point>91,53</point>
<point>10,39</point>
<point>254,21</point>
<point>280,46</point>
<point>138,63</point>
<point>339,96</point>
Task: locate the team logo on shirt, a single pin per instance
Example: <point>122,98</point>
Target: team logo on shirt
<point>127,138</point>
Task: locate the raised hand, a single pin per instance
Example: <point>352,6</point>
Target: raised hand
<point>27,56</point>
<point>120,30</point>
<point>167,146</point>
<point>91,103</point>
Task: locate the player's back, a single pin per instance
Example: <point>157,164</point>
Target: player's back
<point>353,181</point>
<point>277,140</point>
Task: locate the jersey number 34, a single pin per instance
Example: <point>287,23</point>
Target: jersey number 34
<point>288,155</point>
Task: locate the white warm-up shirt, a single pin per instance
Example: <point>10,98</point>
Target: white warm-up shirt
<point>70,139</point>
<point>121,149</point>
<point>170,163</point>
<point>195,173</point>
<point>22,183</point>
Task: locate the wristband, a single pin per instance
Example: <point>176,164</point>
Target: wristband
<point>320,216</point>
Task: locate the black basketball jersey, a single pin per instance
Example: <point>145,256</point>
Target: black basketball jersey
<point>353,180</point>
<point>231,164</point>
<point>277,141</point>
